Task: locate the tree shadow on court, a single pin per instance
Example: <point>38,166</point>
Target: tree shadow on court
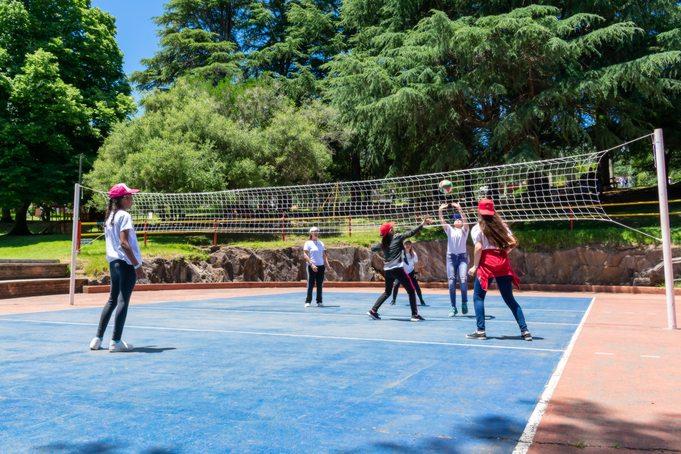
<point>100,447</point>
<point>585,424</point>
<point>151,349</point>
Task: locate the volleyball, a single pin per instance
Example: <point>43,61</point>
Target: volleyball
<point>445,186</point>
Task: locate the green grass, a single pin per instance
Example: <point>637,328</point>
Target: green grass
<point>92,259</point>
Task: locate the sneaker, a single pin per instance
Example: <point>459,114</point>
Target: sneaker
<point>464,308</point>
<point>373,314</point>
<point>392,303</point>
<point>320,304</point>
<point>477,335</point>
<point>96,343</point>
<point>120,346</point>
<point>453,312</point>
<point>526,335</point>
<point>417,318</point>
<point>308,304</point>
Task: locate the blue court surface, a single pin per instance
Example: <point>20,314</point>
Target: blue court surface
<point>265,374</point>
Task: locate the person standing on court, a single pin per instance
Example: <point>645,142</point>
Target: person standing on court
<point>457,255</point>
<point>493,242</point>
<point>411,259</point>
<point>317,260</point>
<point>392,246</point>
<point>125,265</point>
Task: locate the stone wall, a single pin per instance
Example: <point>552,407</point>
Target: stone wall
<point>583,265</point>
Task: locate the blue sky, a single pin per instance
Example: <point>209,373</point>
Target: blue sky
<point>136,29</point>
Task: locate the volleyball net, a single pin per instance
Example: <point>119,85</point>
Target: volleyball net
<point>557,189</point>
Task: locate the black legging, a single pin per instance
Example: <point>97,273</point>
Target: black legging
<point>417,287</point>
<point>123,278</point>
<point>397,274</point>
<point>312,279</point>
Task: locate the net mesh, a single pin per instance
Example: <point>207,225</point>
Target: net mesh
<point>549,190</point>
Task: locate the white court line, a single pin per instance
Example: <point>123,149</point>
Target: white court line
<point>650,356</point>
<point>530,431</point>
<point>317,311</point>
<point>308,336</point>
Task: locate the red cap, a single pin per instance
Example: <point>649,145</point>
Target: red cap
<point>486,207</point>
<point>385,228</point>
<point>121,190</point>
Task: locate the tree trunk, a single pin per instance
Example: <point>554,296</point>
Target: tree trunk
<point>6,215</point>
<point>20,223</point>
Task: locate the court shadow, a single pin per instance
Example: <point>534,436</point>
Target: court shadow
<point>513,337</point>
<point>151,349</point>
<point>100,447</point>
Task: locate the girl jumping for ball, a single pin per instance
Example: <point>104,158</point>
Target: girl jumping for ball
<point>392,246</point>
<point>493,242</point>
<point>125,265</point>
<point>457,255</point>
<point>411,259</point>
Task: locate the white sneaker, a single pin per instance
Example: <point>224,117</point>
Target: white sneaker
<point>120,346</point>
<point>308,305</point>
<point>320,304</point>
<point>95,343</point>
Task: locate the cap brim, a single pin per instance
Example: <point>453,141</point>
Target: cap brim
<point>134,191</point>
<point>486,212</point>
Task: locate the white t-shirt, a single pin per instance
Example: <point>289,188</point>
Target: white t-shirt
<point>479,237</point>
<point>315,250</point>
<point>456,239</point>
<point>409,261</point>
<point>112,233</point>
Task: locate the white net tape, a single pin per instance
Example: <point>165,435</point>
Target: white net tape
<point>548,190</point>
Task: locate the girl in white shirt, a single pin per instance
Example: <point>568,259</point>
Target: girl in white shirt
<point>457,256</point>
<point>317,259</point>
<point>125,265</point>
<point>410,259</point>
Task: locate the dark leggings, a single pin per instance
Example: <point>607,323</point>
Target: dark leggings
<point>399,275</point>
<point>312,279</point>
<point>505,284</point>
<point>123,278</point>
<point>417,287</point>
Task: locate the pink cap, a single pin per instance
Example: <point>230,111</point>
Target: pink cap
<point>121,190</point>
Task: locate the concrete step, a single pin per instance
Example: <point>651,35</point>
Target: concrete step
<point>33,270</point>
<point>18,288</point>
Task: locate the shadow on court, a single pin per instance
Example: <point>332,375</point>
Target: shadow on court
<point>152,349</point>
<point>99,447</point>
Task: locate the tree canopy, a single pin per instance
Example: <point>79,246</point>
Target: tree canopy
<point>62,89</point>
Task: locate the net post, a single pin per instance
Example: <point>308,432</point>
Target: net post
<point>75,242</point>
<point>658,146</point>
<point>215,232</point>
<point>80,234</point>
<point>349,225</point>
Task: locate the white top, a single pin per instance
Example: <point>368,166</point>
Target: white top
<point>479,237</point>
<point>409,261</point>
<point>112,233</point>
<point>456,239</point>
<point>315,250</point>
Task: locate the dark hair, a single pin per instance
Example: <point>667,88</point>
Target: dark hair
<point>112,208</point>
<point>494,228</point>
<point>385,241</point>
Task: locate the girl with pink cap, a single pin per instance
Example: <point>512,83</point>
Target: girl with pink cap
<point>493,241</point>
<point>125,264</point>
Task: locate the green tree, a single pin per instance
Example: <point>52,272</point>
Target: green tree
<point>199,137</point>
<point>61,89</point>
<point>433,90</point>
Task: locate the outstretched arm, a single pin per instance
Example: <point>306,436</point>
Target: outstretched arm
<point>457,206</point>
<point>417,229</point>
<point>443,223</point>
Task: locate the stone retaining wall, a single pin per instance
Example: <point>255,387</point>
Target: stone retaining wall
<point>594,265</point>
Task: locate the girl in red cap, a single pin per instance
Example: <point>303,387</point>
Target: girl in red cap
<point>392,246</point>
<point>493,241</point>
<point>125,265</point>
